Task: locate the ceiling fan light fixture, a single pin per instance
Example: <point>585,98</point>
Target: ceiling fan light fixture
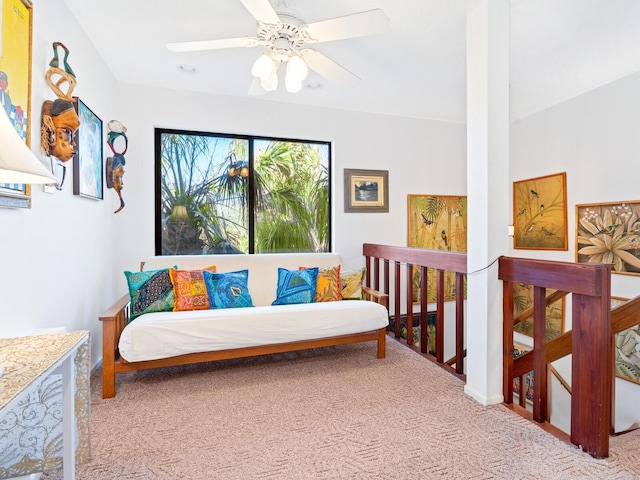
<point>263,67</point>
<point>293,85</point>
<point>297,68</point>
<point>271,82</point>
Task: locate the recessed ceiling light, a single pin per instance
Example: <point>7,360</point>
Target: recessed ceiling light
<point>314,86</point>
<point>187,68</point>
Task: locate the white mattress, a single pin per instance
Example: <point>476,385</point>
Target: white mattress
<point>167,334</point>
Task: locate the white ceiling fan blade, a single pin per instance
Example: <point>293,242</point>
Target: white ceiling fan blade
<point>261,11</point>
<point>256,87</point>
<point>349,26</point>
<point>212,44</point>
<point>329,69</point>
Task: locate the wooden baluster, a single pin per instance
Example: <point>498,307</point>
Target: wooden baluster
<point>540,402</point>
<point>409,304</point>
<point>522,396</point>
<point>397,300</point>
<point>386,276</point>
<point>424,314</point>
<point>367,268</point>
<point>439,343</point>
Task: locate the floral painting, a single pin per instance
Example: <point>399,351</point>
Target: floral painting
<point>627,349</point>
<point>610,233</point>
<point>540,213</point>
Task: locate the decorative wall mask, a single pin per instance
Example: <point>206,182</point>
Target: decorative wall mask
<point>59,125</point>
<point>59,118</point>
<point>57,77</point>
<point>115,164</point>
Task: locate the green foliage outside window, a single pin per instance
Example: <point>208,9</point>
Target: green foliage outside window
<point>213,199</point>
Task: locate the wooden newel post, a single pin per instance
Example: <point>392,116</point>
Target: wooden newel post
<point>592,369</point>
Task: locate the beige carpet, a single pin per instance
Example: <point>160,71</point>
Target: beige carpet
<point>335,413</point>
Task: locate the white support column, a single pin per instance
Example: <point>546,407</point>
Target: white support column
<point>488,192</point>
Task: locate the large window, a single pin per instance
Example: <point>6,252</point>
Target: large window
<point>240,194</point>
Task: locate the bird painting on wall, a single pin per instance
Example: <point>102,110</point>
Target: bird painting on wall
<point>425,219</point>
<point>443,234</point>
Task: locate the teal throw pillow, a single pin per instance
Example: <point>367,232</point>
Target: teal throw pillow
<point>228,290</point>
<point>150,291</point>
<point>296,286</point>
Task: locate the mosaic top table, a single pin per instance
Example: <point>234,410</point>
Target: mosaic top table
<point>28,361</point>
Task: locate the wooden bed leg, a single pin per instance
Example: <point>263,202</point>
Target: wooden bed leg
<point>108,358</point>
<point>382,338</point>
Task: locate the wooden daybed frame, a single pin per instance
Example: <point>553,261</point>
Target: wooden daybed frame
<point>117,317</point>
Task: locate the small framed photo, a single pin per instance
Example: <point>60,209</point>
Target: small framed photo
<point>366,190</point>
<point>88,170</point>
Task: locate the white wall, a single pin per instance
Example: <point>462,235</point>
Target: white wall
<point>63,259</point>
<point>56,256</point>
<point>421,157</point>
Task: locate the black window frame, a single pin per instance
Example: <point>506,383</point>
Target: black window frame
<point>159,131</point>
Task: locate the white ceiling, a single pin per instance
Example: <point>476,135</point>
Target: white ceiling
<point>559,49</point>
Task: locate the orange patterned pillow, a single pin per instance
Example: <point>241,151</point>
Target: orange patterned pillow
<point>190,289</point>
<point>328,287</point>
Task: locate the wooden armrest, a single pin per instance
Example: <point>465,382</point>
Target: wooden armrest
<point>114,319</point>
<point>376,296</point>
<point>116,308</point>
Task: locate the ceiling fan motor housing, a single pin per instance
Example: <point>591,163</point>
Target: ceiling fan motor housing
<point>282,38</point>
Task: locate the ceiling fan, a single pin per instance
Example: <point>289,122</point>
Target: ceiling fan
<point>286,38</point>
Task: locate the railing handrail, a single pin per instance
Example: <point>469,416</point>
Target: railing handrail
<point>439,259</point>
<point>625,316</point>
<point>580,278</point>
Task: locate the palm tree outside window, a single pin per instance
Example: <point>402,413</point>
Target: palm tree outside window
<point>220,193</point>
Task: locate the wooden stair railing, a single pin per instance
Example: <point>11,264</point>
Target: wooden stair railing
<point>589,341</point>
<point>441,261</point>
<point>623,316</point>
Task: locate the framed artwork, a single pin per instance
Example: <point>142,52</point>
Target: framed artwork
<point>87,163</point>
<point>627,349</point>
<point>431,330</point>
<point>540,213</point>
<point>15,84</point>
<point>523,299</point>
<point>518,351</point>
<point>609,233</point>
<point>366,190</point>
<point>436,222</point>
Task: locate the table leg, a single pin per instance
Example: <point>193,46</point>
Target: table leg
<point>68,419</point>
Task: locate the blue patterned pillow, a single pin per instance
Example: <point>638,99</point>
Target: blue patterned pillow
<point>228,290</point>
<point>150,291</point>
<point>296,286</point>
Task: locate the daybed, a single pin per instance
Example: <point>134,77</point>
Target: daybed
<point>168,338</point>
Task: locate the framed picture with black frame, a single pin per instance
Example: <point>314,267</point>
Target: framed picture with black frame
<point>88,171</point>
